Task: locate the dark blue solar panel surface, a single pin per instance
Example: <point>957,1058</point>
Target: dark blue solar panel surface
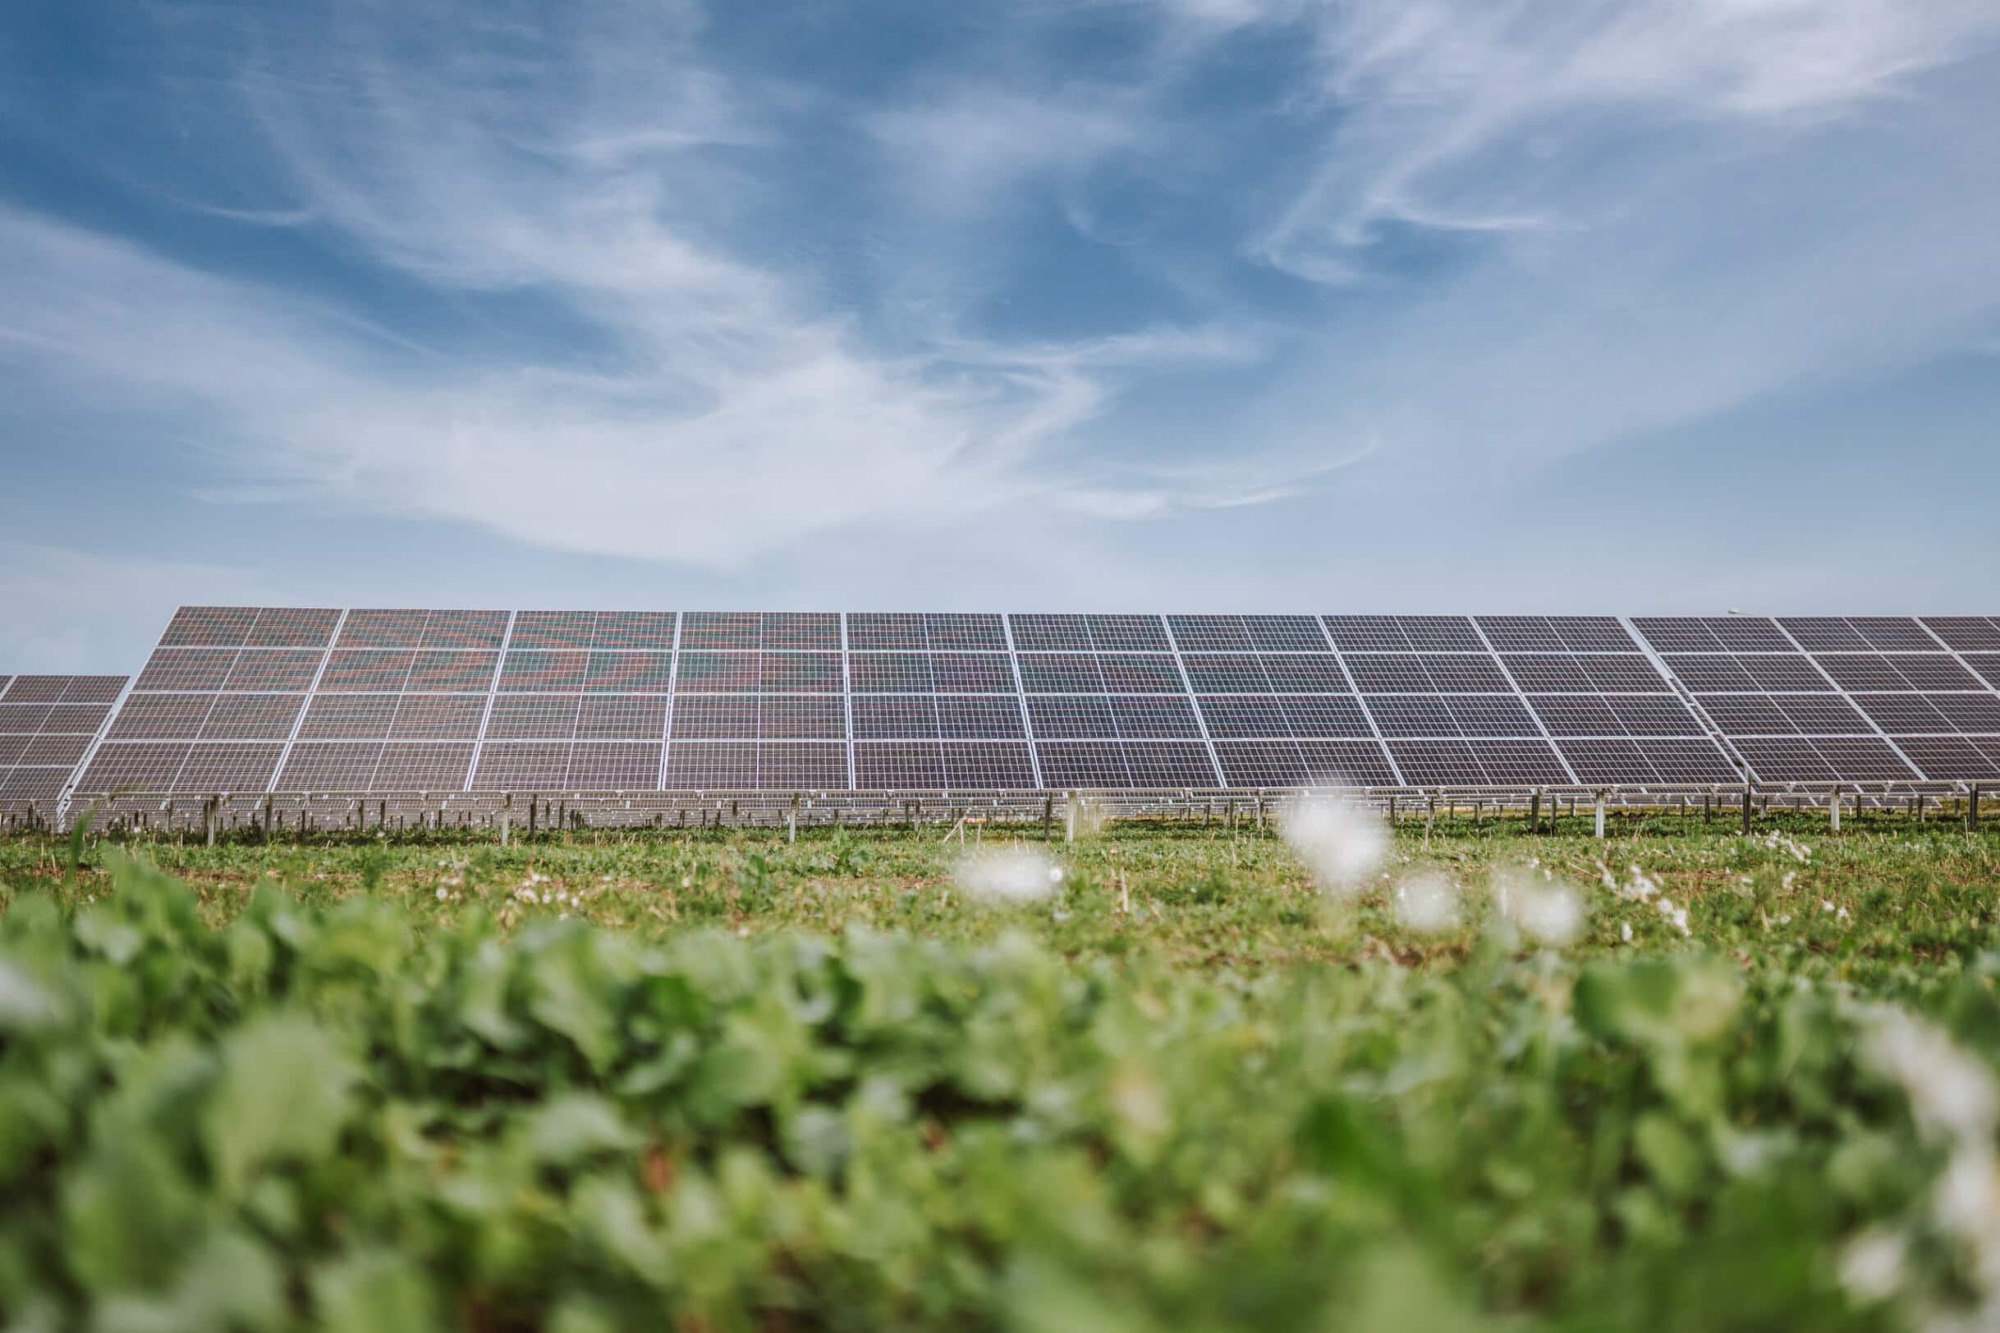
<point>317,699</point>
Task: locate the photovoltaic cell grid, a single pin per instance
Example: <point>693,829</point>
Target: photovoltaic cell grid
<point>1856,699</point>
<point>292,699</point>
<point>46,725</point>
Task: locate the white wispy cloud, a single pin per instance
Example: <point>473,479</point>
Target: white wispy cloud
<point>718,413</point>
<point>965,148</point>
<point>1447,104</point>
<point>713,352</point>
<point>711,444</point>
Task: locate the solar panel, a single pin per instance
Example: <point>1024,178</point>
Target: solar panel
<point>48,724</point>
<point>1965,634</point>
<point>312,699</point>
<point>1871,698</point>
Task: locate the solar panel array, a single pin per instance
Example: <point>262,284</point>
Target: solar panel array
<point>1826,698</point>
<point>46,725</point>
<point>241,700</point>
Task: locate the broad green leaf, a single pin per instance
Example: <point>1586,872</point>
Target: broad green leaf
<point>284,1093</point>
<point>374,1291</point>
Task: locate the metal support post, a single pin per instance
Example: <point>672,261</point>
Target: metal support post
<point>1535,811</point>
<point>506,817</point>
<point>1600,815</point>
<point>1972,809</point>
<point>1746,809</point>
<point>1833,808</point>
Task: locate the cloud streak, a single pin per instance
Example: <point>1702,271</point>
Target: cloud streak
<point>616,278</point>
<point>716,412</point>
<point>1437,93</point>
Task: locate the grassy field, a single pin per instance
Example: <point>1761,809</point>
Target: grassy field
<point>720,1081</point>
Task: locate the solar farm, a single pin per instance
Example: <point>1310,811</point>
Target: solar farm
<point>370,969</point>
<point>657,717</point>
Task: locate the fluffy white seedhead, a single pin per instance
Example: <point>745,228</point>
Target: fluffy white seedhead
<point>1426,904</point>
<point>1340,842</point>
<point>1007,875</point>
<point>1545,910</point>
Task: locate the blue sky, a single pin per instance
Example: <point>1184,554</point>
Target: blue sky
<point>1351,305</point>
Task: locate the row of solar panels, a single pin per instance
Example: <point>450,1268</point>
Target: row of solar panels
<point>47,725</point>
<point>294,699</point>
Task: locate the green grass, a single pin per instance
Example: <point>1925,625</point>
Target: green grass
<point>1898,895</point>
<point>720,1081</point>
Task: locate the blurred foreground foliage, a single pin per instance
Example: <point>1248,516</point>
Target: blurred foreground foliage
<point>327,1117</point>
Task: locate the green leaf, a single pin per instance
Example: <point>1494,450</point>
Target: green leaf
<point>568,995</point>
<point>25,1004</point>
<point>284,1093</point>
<point>574,1126</point>
<point>1669,1152</point>
<point>128,1213</point>
<point>374,1291</point>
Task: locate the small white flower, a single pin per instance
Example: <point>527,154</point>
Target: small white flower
<point>687,881</point>
<point>1871,1267</point>
<point>1546,912</point>
<point>1427,904</point>
<point>1625,931</point>
<point>443,894</point>
<point>1007,874</point>
<point>1339,842</point>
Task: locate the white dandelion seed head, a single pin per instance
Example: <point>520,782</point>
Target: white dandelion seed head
<point>1007,875</point>
<point>1872,1265</point>
<point>1341,843</point>
<point>1547,911</point>
<point>1954,1096</point>
<point>1426,903</point>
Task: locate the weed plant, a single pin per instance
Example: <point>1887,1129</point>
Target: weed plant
<point>722,1081</point>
